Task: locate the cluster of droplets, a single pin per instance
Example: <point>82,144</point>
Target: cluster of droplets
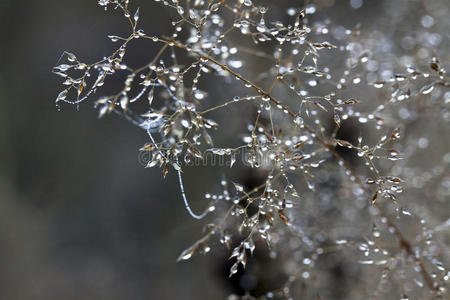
<point>299,105</point>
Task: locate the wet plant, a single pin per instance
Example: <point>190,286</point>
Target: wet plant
<point>335,130</point>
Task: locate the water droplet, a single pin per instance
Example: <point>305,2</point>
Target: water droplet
<point>136,15</point>
<point>427,89</point>
<point>291,11</point>
<point>113,38</point>
<point>379,84</point>
<point>298,120</point>
<point>235,64</point>
<point>375,231</point>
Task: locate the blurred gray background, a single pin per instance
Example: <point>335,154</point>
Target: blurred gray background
<point>80,218</point>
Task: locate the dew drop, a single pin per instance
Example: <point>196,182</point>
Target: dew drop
<point>298,120</point>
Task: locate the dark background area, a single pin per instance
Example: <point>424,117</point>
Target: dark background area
<point>80,218</point>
